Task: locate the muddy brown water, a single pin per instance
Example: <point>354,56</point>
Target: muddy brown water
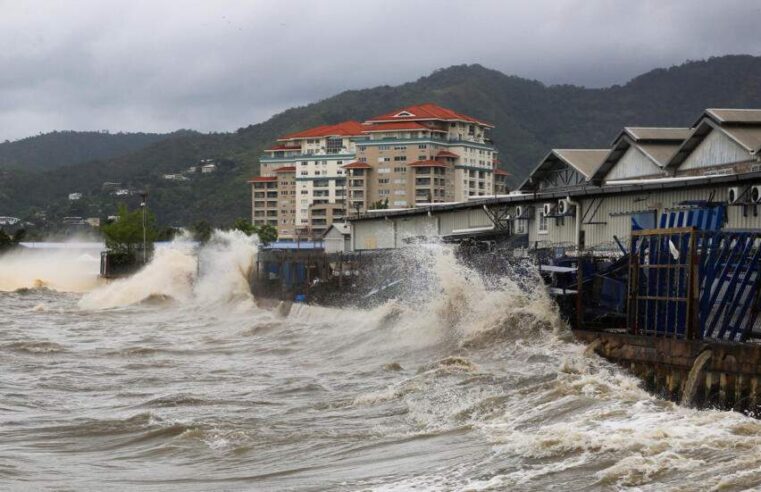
<point>171,382</point>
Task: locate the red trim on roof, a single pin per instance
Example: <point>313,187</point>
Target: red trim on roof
<point>258,179</point>
<point>427,164</point>
<point>502,172</point>
<point>427,111</point>
<point>399,125</point>
<point>446,153</point>
<point>282,147</point>
<point>343,129</point>
<point>286,169</point>
<point>357,165</point>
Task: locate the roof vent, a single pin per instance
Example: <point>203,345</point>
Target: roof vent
<point>403,114</point>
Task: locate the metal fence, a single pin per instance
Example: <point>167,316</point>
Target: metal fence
<point>689,283</point>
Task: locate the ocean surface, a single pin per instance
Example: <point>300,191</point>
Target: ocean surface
<point>177,379</point>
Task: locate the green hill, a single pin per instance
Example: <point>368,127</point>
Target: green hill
<point>530,119</point>
<point>58,149</point>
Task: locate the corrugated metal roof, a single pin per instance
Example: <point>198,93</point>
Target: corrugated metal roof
<point>656,133</point>
<point>586,161</point>
<point>747,136</point>
<point>658,152</point>
<point>735,116</point>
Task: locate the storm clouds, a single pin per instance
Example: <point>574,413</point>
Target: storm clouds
<point>216,66</point>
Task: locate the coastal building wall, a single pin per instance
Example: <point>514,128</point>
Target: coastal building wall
<point>716,148</point>
<point>633,164</point>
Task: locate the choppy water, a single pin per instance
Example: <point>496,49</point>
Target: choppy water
<point>169,382</point>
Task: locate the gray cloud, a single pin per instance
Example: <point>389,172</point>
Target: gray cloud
<point>161,65</point>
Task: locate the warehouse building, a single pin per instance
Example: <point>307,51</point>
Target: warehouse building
<point>707,175</point>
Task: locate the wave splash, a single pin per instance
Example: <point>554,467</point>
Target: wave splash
<point>64,270</point>
<point>217,272</point>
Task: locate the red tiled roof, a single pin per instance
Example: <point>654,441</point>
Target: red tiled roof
<point>427,164</point>
<point>502,172</point>
<point>427,111</point>
<point>286,169</point>
<point>357,165</point>
<point>446,153</point>
<point>282,147</point>
<point>258,179</point>
<point>398,125</point>
<point>343,129</point>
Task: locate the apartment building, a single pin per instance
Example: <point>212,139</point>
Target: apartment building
<point>305,168</point>
<point>410,157</point>
<point>422,154</point>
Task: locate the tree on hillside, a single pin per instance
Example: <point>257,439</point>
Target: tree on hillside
<point>267,233</point>
<point>125,234</point>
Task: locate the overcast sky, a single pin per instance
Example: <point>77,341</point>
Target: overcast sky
<point>216,65</point>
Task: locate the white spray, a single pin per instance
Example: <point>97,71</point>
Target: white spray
<point>69,268</point>
<point>224,265</point>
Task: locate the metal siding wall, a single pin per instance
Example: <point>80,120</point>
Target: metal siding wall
<point>716,148</point>
<point>631,165</point>
<point>379,233</point>
<point>454,220</point>
<point>375,234</point>
<point>478,218</point>
<point>415,226</point>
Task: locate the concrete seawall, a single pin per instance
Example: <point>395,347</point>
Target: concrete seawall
<point>727,375</point>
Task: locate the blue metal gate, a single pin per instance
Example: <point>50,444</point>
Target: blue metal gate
<point>686,283</point>
<point>662,286</point>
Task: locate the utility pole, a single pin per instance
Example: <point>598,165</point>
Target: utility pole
<point>144,205</point>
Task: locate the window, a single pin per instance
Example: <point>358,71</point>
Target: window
<point>384,159</point>
<point>304,192</point>
<point>400,147</point>
<point>333,145</point>
<point>541,223</point>
<point>400,158</point>
<point>383,181</point>
<point>383,192</point>
<point>400,169</point>
<point>304,172</point>
<point>384,170</point>
<point>422,157</point>
<point>400,192</point>
<point>422,146</point>
<point>520,226</point>
<point>384,147</point>
<point>400,203</point>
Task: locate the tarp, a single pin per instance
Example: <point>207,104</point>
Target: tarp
<point>704,218</point>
